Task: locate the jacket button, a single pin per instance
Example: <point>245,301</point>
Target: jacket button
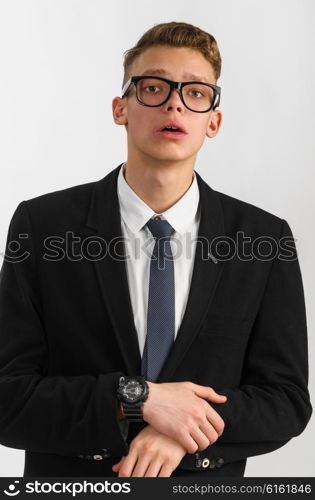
<point>197,460</point>
<point>97,457</point>
<point>212,463</point>
<point>220,462</point>
<point>205,463</point>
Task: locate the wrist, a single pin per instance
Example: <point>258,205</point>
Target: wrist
<point>132,392</point>
<point>146,404</point>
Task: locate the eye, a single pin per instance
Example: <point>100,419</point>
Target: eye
<point>196,91</point>
<point>151,87</point>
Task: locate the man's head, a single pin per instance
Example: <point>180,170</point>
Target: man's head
<point>175,35</point>
<point>178,52</point>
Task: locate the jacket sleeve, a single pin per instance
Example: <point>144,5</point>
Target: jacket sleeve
<point>67,415</point>
<point>272,403</point>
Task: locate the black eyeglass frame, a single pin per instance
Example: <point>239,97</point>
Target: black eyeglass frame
<point>173,85</point>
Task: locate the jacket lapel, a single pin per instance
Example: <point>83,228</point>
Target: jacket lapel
<point>104,218</point>
<point>205,277</point>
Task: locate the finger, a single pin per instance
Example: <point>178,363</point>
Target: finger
<point>116,466</point>
<point>182,436</point>
<point>141,466</point>
<point>153,468</point>
<point>129,463</point>
<point>215,420</point>
<point>209,431</point>
<point>166,471</point>
<point>209,393</point>
<point>199,437</point>
<point>189,444</point>
<point>215,396</point>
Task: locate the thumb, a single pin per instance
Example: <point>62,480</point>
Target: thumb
<point>209,393</point>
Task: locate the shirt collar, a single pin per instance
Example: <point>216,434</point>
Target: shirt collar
<point>136,213</point>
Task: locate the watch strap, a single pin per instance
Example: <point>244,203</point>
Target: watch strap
<point>133,413</point>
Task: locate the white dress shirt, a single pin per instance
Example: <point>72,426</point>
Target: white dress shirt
<point>184,217</point>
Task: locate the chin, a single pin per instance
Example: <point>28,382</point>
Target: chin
<point>170,156</point>
<point>170,159</point>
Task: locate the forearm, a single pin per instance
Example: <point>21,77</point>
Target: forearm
<point>66,415</point>
<point>264,413</point>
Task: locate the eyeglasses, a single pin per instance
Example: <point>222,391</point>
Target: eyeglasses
<point>154,91</point>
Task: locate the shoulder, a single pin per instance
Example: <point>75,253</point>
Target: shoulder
<point>240,215</point>
<point>234,208</point>
<point>66,197</point>
<point>56,210</point>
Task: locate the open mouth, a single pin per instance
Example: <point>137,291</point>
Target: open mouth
<point>171,132</point>
<point>172,129</point>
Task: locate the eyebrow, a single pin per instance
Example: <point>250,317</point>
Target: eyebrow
<point>160,71</point>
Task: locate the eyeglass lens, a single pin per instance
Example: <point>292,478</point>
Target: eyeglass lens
<point>197,96</point>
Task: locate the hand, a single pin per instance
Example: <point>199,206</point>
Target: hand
<point>179,410</point>
<point>151,454</point>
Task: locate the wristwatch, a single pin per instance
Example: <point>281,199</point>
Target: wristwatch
<point>132,392</point>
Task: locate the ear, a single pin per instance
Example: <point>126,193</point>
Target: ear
<point>119,108</point>
<point>214,124</point>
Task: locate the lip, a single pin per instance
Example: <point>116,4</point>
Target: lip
<point>171,135</point>
<point>173,123</point>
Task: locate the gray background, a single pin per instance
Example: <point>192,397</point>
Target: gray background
<point>61,65</point>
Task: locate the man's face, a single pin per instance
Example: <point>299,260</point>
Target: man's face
<point>179,64</point>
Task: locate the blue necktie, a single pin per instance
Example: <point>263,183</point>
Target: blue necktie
<point>161,302</point>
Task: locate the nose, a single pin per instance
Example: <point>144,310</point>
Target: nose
<point>174,100</point>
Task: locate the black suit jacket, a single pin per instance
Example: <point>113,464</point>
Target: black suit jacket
<point>67,334</point>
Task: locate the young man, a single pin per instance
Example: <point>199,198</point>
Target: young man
<point>156,346</point>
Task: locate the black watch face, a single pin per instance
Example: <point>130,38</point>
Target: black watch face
<point>132,391</point>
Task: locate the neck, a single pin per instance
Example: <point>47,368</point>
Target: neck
<point>159,184</point>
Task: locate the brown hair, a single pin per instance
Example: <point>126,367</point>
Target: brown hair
<point>175,35</point>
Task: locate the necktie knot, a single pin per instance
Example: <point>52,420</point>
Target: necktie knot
<point>160,228</point>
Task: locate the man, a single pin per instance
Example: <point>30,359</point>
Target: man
<point>153,348</point>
